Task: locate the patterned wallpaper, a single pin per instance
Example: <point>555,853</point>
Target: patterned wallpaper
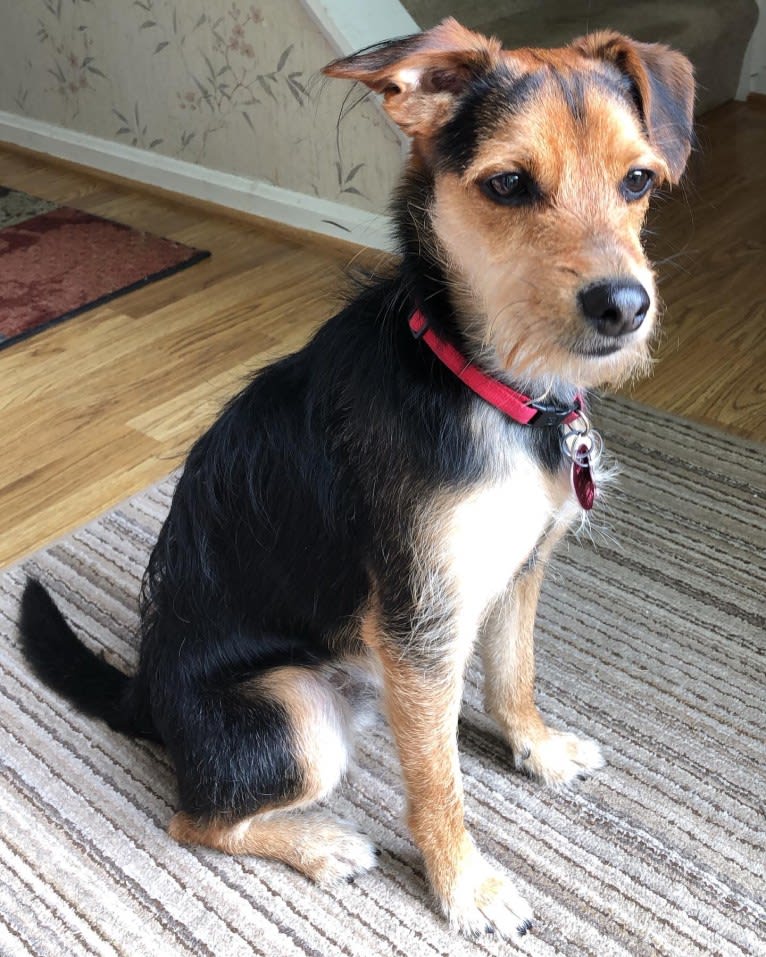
<point>233,86</point>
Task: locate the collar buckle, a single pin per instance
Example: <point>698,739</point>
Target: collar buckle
<point>550,416</point>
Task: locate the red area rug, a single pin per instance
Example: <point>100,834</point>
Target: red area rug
<point>57,264</point>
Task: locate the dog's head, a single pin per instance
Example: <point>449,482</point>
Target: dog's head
<point>539,165</point>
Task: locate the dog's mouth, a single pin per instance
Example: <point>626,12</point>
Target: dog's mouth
<point>601,348</point>
<point>602,360</point>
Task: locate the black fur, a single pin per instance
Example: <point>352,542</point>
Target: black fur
<point>489,99</point>
<point>61,661</point>
<point>573,90</point>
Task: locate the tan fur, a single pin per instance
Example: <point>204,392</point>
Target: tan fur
<point>422,713</point>
<point>320,721</point>
<point>313,843</point>
<point>412,96</point>
<point>422,709</point>
<point>517,277</point>
<point>670,67</point>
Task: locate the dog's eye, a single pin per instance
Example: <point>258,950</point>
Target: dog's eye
<point>511,189</point>
<point>637,183</point>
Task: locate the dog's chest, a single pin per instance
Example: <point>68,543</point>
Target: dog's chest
<point>495,529</point>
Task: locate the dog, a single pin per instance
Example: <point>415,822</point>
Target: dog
<point>371,508</point>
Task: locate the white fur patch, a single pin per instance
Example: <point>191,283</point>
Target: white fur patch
<point>472,547</point>
<point>492,533</point>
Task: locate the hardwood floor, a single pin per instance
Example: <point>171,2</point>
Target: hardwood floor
<point>711,250</point>
<point>105,404</point>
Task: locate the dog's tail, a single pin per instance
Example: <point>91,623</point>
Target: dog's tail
<point>61,661</point>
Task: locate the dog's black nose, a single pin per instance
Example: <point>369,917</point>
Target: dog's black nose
<point>615,307</point>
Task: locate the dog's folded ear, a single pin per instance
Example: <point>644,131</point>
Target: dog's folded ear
<point>421,76</point>
<point>662,86</point>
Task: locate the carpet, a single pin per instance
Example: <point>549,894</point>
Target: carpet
<point>651,642</point>
<point>57,262</point>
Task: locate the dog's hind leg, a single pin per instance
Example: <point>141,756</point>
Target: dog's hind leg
<point>312,842</point>
<point>284,744</point>
<point>507,647</point>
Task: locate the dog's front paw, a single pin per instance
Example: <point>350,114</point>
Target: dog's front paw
<point>558,758</point>
<point>484,902</point>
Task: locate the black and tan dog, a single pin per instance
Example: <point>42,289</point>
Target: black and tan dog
<point>387,497</point>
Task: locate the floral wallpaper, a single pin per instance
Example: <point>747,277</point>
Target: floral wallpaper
<point>233,86</point>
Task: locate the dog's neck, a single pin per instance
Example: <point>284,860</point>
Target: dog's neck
<point>512,403</point>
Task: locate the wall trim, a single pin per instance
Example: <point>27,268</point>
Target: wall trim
<point>241,193</point>
<point>350,25</point>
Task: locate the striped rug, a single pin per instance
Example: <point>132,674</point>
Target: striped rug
<point>651,641</point>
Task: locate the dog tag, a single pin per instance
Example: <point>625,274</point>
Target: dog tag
<point>582,478</point>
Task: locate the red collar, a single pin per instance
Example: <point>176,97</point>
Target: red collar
<point>514,404</point>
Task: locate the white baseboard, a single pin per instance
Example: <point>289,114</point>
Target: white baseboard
<point>188,179</point>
